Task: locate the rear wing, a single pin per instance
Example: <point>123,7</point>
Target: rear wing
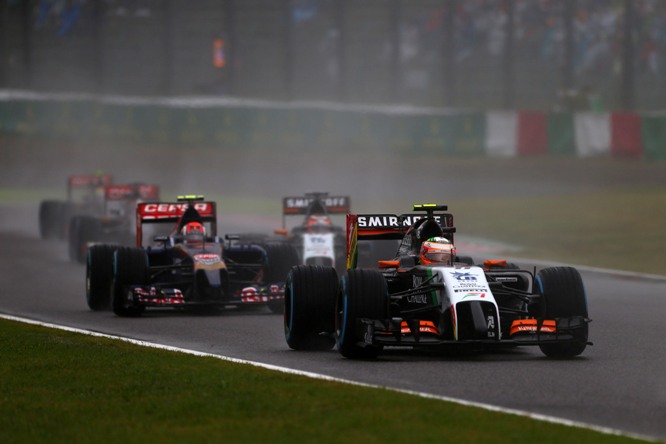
<point>147,191</point>
<point>119,192</point>
<point>87,181</point>
<point>391,226</point>
<point>135,191</point>
<point>302,205</point>
<point>177,213</point>
<point>126,196</point>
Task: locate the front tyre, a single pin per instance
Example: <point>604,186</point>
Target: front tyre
<point>309,307</point>
<point>563,296</point>
<point>99,275</point>
<point>363,294</point>
<point>130,267</point>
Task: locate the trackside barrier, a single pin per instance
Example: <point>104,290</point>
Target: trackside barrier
<point>236,124</point>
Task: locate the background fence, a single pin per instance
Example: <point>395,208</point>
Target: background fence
<point>305,128</point>
<point>462,54</point>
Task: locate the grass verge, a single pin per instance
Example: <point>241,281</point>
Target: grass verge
<point>617,229</point>
<point>621,230</point>
<point>58,386</point>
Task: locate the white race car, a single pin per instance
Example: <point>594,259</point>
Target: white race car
<point>425,296</point>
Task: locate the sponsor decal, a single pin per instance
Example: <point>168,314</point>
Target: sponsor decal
<point>161,301</point>
<point>417,299</point>
<point>352,240</point>
<point>473,295</point>
<point>424,327</point>
<point>170,208</point>
<point>305,202</point>
<point>391,220</point>
<point>378,221</point>
<point>367,336</point>
<point>118,192</point>
<point>530,326</point>
<point>174,209</point>
<point>317,239</point>
<point>148,191</point>
<point>491,326</point>
<point>248,292</point>
<point>207,259</point>
<point>261,294</point>
<point>169,296</point>
<point>462,276</point>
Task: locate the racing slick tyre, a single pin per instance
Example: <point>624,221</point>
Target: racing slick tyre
<point>82,229</point>
<point>99,275</point>
<point>309,307</point>
<point>130,267</point>
<point>65,212</point>
<point>281,257</point>
<point>363,294</point>
<point>49,217</point>
<point>564,297</point>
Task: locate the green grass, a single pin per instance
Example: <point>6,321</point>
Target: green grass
<point>621,230</point>
<point>617,229</point>
<point>58,386</point>
<point>31,196</point>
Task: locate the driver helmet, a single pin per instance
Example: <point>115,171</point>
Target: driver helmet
<point>317,221</point>
<point>193,232</point>
<point>437,250</point>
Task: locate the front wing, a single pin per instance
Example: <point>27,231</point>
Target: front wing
<point>400,333</point>
<point>152,296</point>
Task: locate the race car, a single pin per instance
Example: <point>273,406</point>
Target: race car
<point>84,196</point>
<point>317,239</point>
<point>116,224</point>
<point>187,265</point>
<point>425,297</point>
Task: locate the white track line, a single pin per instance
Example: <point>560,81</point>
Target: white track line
<point>488,407</point>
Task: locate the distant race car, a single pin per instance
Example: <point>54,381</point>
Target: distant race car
<point>117,222</point>
<point>84,197</point>
<point>425,297</point>
<point>187,266</point>
<point>317,239</point>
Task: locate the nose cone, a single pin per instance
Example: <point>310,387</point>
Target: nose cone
<point>209,278</point>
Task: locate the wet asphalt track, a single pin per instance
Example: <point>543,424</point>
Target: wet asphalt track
<point>619,382</point>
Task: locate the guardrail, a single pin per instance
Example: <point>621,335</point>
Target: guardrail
<point>231,123</point>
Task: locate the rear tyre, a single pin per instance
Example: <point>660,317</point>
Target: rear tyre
<point>363,294</point>
<point>130,267</point>
<point>99,275</point>
<point>49,217</point>
<point>309,307</point>
<point>281,257</point>
<point>66,210</point>
<point>563,296</point>
<point>82,229</point>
